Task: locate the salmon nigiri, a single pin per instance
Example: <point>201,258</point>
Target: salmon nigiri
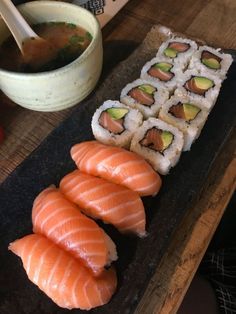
<point>63,223</point>
<point>116,165</point>
<point>104,200</point>
<point>63,278</point>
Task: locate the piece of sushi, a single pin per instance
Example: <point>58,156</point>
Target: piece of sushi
<point>159,143</point>
<point>101,199</point>
<point>144,96</point>
<point>113,123</point>
<point>188,115</point>
<point>161,71</point>
<point>62,222</point>
<point>177,50</point>
<point>116,165</point>
<point>60,276</point>
<point>204,87</point>
<point>211,60</point>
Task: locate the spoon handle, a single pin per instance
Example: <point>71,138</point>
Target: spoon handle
<point>19,28</point>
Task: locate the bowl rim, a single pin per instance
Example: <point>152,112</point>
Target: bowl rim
<point>67,67</point>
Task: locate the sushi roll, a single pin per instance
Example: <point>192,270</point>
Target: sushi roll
<point>113,123</point>
<point>146,96</point>
<point>211,60</point>
<point>204,87</point>
<point>161,71</point>
<point>159,143</point>
<point>188,115</point>
<point>177,50</point>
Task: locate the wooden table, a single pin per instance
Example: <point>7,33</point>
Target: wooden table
<point>210,20</point>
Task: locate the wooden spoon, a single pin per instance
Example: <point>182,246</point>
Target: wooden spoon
<point>36,51</point>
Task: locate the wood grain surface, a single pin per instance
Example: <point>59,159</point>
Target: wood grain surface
<point>210,20</point>
<point>169,284</point>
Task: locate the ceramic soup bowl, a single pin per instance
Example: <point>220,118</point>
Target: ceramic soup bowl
<point>64,87</point>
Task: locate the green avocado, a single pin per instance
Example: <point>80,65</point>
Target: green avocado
<point>170,52</point>
<point>167,138</point>
<point>149,89</point>
<point>190,111</point>
<point>165,67</point>
<point>117,113</point>
<point>203,82</point>
<point>211,63</point>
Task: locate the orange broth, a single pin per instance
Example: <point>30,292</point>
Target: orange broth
<point>69,40</point>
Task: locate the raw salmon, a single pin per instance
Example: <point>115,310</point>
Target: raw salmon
<point>63,278</point>
<point>141,97</point>
<point>178,46</point>
<point>104,200</point>
<point>160,74</point>
<point>116,165</point>
<point>111,125</point>
<point>63,223</point>
<point>153,139</point>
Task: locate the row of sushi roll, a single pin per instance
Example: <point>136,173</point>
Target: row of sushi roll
<point>69,256</point>
<point>162,113</point>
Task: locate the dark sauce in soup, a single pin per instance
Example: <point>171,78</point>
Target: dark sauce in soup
<point>68,39</point>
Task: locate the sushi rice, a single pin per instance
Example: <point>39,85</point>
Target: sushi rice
<point>191,129</point>
<point>131,121</point>
<point>161,162</point>
<point>226,61</point>
<point>161,95</point>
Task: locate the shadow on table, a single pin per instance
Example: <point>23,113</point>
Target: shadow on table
<point>213,289</point>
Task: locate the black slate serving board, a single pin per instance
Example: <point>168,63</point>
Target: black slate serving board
<point>138,258</point>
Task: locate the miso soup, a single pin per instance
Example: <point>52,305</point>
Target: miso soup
<point>69,40</point>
